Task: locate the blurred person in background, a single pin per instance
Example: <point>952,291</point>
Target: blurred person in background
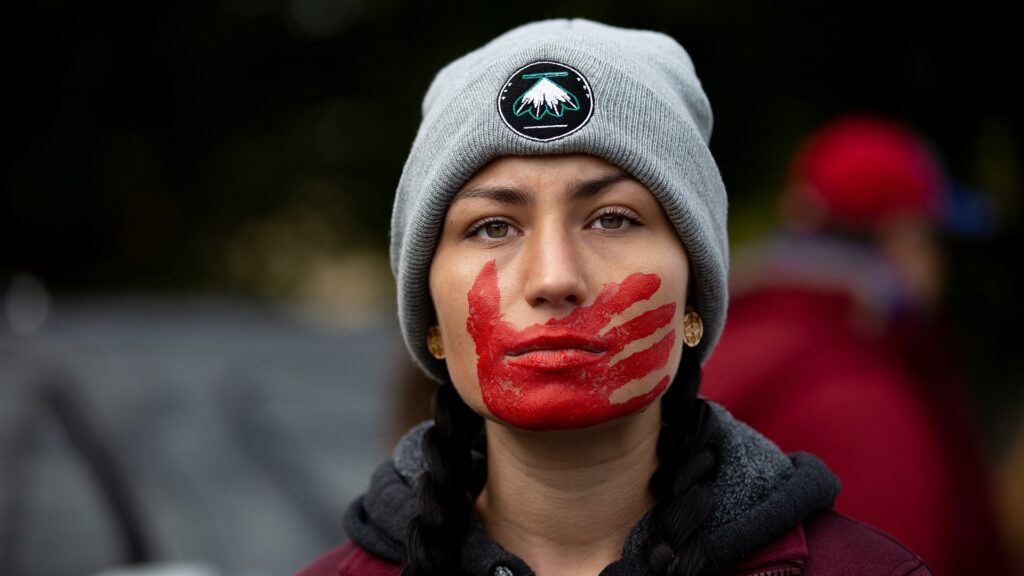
<point>836,343</point>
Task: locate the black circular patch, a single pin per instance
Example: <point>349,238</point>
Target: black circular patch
<point>545,101</point>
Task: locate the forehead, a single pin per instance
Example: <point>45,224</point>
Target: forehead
<point>552,166</point>
<point>516,179</point>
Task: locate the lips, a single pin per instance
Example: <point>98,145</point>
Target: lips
<point>559,375</point>
<point>552,349</point>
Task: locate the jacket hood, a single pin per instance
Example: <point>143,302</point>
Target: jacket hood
<point>760,493</point>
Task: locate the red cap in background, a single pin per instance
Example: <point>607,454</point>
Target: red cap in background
<point>859,170</point>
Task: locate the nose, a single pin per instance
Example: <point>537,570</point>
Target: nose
<point>554,273</point>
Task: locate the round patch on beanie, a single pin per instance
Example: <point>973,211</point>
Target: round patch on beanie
<point>545,101</point>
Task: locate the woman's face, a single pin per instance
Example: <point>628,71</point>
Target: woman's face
<point>559,286</point>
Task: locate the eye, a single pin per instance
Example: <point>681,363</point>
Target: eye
<point>495,229</point>
<point>615,219</point>
<point>491,229</point>
<point>611,221</point>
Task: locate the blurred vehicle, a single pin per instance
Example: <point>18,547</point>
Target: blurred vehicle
<point>182,437</point>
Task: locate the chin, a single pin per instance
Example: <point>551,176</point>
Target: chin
<point>555,406</point>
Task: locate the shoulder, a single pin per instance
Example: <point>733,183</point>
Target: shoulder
<point>839,544</point>
<point>349,560</point>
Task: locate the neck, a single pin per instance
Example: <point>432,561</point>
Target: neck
<point>566,501</point>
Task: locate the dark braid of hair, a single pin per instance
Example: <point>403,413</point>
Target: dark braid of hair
<point>447,489</point>
<point>681,484</point>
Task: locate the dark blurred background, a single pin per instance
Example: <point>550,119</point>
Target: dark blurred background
<point>210,182</point>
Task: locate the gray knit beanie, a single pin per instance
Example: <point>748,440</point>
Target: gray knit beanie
<point>557,87</point>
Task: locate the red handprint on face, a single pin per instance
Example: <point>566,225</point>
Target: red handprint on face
<point>559,375</point>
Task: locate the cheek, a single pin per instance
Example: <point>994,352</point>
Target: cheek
<point>450,305</point>
<point>461,360</point>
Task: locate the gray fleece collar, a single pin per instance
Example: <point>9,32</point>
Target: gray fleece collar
<point>760,493</point>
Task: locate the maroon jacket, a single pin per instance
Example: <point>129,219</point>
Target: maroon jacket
<point>826,543</point>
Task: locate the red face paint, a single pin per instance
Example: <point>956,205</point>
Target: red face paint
<point>557,375</point>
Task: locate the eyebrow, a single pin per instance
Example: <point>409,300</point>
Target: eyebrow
<point>588,188</point>
<point>510,195</point>
<point>502,194</point>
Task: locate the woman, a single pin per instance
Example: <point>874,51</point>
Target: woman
<point>559,243</point>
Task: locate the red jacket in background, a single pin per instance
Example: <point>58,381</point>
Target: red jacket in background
<point>801,366</point>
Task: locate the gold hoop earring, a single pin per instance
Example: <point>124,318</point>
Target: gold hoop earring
<point>693,329</point>
<point>434,342</point>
